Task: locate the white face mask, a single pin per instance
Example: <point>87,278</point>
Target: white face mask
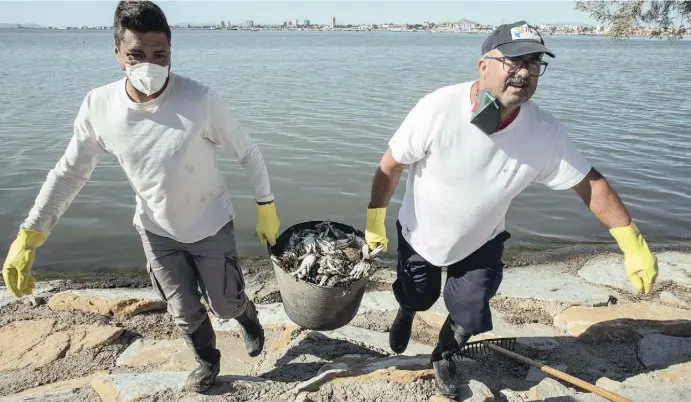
<point>147,78</point>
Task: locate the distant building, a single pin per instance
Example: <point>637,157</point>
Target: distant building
<point>297,23</point>
<point>307,23</point>
<point>250,23</point>
<point>333,22</point>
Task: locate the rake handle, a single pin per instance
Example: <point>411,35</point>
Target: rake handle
<point>560,374</point>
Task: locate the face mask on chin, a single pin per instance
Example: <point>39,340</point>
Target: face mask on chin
<point>485,114</point>
<point>147,78</point>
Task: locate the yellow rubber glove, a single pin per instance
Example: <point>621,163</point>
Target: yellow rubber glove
<point>267,223</point>
<point>640,264</point>
<point>375,230</point>
<point>17,268</point>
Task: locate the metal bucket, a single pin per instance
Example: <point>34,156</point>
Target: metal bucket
<point>312,306</point>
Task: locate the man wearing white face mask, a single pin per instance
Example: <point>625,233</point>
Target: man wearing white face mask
<point>163,129</point>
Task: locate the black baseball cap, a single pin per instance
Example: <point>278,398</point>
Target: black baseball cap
<point>515,40</point>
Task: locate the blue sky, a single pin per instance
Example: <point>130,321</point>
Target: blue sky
<point>100,12</point>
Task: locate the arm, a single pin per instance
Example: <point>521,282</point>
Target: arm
<point>64,181</point>
<point>602,200</point>
<point>409,144</point>
<point>385,180</point>
<point>225,130</point>
<point>567,168</point>
<point>69,175</point>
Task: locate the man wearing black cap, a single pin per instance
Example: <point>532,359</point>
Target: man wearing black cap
<point>472,147</point>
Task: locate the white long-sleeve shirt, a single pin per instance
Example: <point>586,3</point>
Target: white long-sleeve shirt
<point>167,147</point>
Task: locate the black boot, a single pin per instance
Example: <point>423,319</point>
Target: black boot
<point>451,339</point>
<point>203,343</point>
<point>252,331</point>
<point>400,330</point>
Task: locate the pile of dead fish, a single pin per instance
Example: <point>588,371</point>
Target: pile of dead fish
<point>327,256</point>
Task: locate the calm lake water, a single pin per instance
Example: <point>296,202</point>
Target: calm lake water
<point>322,106</point>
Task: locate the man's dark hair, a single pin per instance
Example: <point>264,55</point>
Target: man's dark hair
<point>139,16</point>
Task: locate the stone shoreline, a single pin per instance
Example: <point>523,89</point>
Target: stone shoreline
<point>108,339</point>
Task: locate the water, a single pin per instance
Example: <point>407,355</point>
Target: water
<point>322,106</point>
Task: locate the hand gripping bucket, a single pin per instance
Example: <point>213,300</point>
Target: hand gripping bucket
<point>312,306</point>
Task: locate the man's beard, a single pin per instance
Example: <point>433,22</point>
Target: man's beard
<point>515,81</point>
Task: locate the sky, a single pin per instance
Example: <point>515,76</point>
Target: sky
<point>100,12</point>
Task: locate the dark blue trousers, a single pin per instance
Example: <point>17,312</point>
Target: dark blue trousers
<point>470,283</point>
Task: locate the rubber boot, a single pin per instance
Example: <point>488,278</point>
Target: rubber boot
<point>252,331</point>
<point>401,329</point>
<point>451,339</point>
<point>203,344</point>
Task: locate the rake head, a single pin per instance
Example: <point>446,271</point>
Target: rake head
<point>480,348</point>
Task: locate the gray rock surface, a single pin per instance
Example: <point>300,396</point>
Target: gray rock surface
<point>673,393</point>
<point>659,351</point>
<point>41,290</point>
<point>129,387</point>
<point>609,270</point>
<point>546,283</point>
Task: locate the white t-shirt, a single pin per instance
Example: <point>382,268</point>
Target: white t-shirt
<point>461,180</point>
<point>167,147</point>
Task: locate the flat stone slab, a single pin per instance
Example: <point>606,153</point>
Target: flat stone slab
<point>543,282</point>
<point>402,369</point>
<point>378,341</point>
<point>640,317</point>
<point>175,355</point>
<point>674,374</point>
<point>122,303</point>
<point>61,391</point>
<point>41,290</point>
<point>534,335</point>
<point>609,270</point>
<point>129,387</point>
<point>35,343</point>
<point>676,393</point>
<point>272,314</point>
<point>659,351</point>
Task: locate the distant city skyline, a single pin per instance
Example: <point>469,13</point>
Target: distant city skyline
<point>100,13</point>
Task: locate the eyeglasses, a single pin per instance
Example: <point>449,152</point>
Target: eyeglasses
<point>512,64</point>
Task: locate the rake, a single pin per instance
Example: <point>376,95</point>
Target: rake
<point>506,347</point>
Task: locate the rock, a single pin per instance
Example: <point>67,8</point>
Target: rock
<point>402,369</point>
<point>34,301</point>
<point>175,355</point>
<point>61,391</point>
<point>609,270</point>
<point>41,290</point>
<point>121,303</point>
<point>437,398</point>
<point>35,343</point>
<point>549,388</point>
<point>270,315</point>
<point>537,336</point>
<point>638,317</point>
<point>674,374</point>
<point>149,352</point>
<point>131,386</point>
<point>671,299</point>
<point>658,351</point>
<point>513,396</point>
<point>544,282</point>
<point>675,393</point>
<point>475,391</point>
<point>537,375</point>
<point>378,341</point>
<point>609,385</point>
<point>302,397</point>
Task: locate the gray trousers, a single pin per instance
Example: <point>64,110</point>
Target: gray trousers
<point>183,273</point>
